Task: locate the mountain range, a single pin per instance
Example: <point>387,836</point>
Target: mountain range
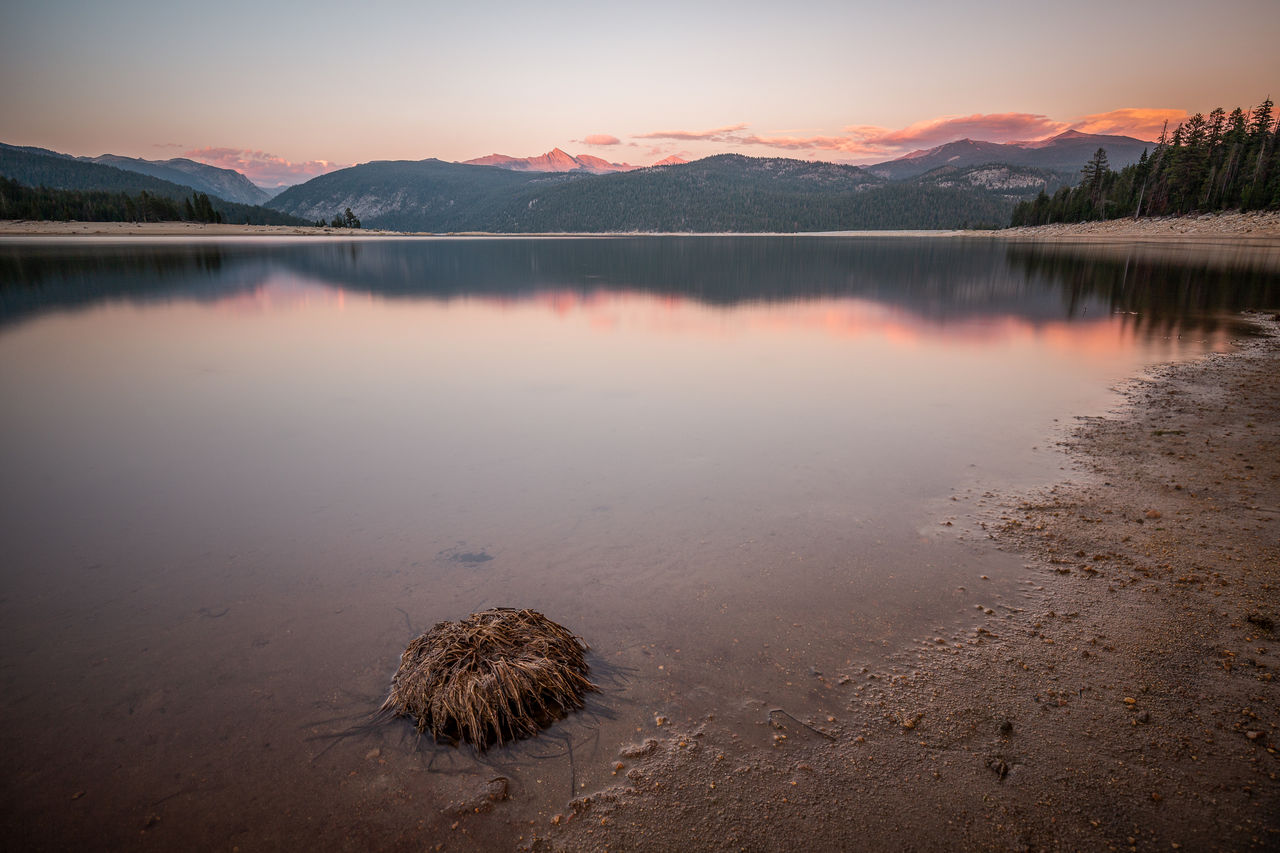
<point>727,192</point>
<point>40,167</point>
<point>965,183</point>
<point>1066,152</point>
<point>224,183</point>
<point>556,160</point>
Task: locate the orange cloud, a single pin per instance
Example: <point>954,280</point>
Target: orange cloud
<point>872,142</point>
<point>1140,122</point>
<point>988,127</point>
<point>718,134</point>
<point>262,168</point>
<point>601,139</point>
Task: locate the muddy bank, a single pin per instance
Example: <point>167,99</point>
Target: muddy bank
<point>1125,701</point>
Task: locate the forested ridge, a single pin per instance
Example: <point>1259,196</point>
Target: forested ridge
<point>41,203</point>
<point>1223,161</point>
<point>39,185</point>
<point>724,193</point>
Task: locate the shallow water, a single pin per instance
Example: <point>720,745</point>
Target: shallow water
<point>239,476</point>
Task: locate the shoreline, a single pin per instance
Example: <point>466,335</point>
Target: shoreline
<point>1254,228</point>
<point>1126,702</point>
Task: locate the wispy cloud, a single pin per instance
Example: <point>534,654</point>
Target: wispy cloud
<point>1144,123</point>
<point>870,142</point>
<point>167,145</point>
<point>601,139</point>
<point>717,134</point>
<point>262,168</point>
<point>989,127</point>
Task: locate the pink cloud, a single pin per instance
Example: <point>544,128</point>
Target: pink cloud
<point>718,134</point>
<point>988,127</point>
<point>601,139</point>
<point>1144,123</point>
<point>870,142</point>
<point>262,168</point>
<point>843,144</point>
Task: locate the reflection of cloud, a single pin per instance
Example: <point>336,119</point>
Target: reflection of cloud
<point>1103,339</point>
<point>601,139</point>
<point>262,168</point>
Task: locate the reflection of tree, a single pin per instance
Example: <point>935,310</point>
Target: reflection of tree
<point>940,280</point>
<point>38,278</point>
<point>1158,292</point>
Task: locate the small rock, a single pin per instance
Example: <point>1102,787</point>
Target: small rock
<point>1154,513</point>
<point>372,754</point>
<point>1000,767</point>
<point>1006,728</point>
<point>497,789</point>
<point>639,750</point>
<point>1253,735</point>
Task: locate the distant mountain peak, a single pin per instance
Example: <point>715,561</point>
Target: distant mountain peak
<point>559,160</point>
<point>1066,152</point>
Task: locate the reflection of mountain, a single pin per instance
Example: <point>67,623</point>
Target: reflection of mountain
<point>939,281</point>
<point>35,279</point>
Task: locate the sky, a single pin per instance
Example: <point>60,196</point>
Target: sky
<point>284,91</point>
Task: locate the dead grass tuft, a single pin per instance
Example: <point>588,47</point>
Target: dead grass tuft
<point>496,676</point>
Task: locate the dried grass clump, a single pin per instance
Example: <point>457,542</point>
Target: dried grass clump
<point>496,676</point>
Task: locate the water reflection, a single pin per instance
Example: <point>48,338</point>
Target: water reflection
<point>1161,290</point>
<point>941,281</point>
<point>238,474</point>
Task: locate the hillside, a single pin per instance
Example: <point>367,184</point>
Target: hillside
<point>226,184</point>
<point>408,195</point>
<point>724,193</point>
<point>1065,153</point>
<point>35,167</point>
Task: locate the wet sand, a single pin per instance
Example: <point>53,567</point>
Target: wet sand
<point>1126,702</point>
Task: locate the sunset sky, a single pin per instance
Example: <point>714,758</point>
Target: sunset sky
<point>284,91</point>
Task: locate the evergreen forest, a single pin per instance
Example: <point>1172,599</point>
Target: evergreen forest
<point>1223,161</point>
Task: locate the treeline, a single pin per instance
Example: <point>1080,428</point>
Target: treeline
<point>345,220</point>
<point>42,171</point>
<point>21,202</point>
<point>1225,161</point>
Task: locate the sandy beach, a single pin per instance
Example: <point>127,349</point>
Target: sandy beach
<point>1256,228</point>
<point>1127,702</point>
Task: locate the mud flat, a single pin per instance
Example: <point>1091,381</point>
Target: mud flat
<point>1126,701</point>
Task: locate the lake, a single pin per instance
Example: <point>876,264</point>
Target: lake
<point>240,475</point>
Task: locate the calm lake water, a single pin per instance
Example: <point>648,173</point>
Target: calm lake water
<point>238,477</point>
